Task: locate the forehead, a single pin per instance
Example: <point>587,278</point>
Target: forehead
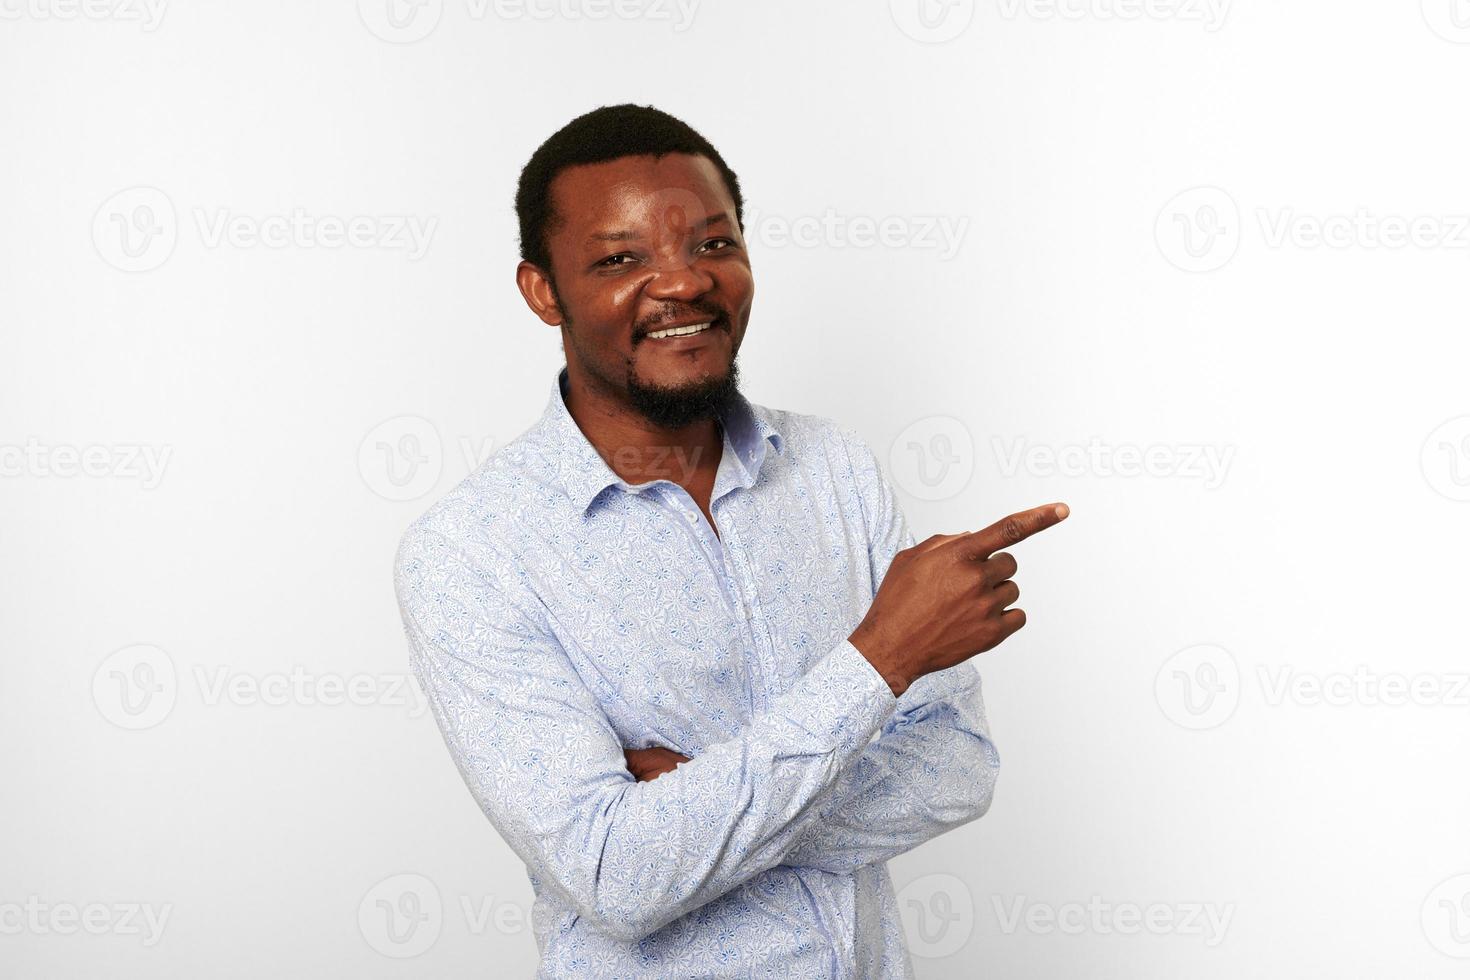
<point>636,190</point>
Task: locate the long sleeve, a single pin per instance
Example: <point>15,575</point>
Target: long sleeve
<point>933,766</point>
<point>544,764</point>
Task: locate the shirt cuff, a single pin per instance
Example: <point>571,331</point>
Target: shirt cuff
<point>843,699</point>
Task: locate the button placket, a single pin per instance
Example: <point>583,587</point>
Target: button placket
<point>675,496</point>
<point>744,585</point>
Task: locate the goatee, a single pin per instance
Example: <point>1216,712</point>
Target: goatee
<point>674,408</point>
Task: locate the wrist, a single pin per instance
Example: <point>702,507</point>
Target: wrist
<point>881,658</point>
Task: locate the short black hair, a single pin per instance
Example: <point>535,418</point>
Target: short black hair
<point>606,133</point>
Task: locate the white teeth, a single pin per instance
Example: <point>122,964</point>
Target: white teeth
<point>680,331</point>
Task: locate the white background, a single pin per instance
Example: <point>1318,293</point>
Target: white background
<point>1138,187</point>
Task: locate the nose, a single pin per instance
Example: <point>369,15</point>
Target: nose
<point>683,281</point>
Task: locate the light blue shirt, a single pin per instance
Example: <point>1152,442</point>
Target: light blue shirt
<point>558,614</point>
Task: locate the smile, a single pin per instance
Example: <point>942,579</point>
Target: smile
<point>688,331</point>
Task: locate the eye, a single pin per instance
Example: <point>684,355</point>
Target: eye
<point>612,261</point>
<point>723,243</point>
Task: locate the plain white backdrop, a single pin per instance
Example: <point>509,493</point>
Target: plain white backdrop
<point>1196,267</point>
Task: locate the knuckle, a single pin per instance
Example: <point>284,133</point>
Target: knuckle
<point>1011,530</point>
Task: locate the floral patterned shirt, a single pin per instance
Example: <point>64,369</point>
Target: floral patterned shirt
<point>557,615</point>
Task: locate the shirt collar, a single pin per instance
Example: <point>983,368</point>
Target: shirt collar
<point>585,474</point>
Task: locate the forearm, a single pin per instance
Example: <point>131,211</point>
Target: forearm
<point>933,768</point>
<point>633,856</point>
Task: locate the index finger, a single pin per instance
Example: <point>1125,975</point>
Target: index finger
<point>1010,530</point>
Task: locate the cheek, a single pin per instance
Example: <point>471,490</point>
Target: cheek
<point>746,294</point>
<point>608,308</point>
<point>621,301</point>
<point>737,283</point>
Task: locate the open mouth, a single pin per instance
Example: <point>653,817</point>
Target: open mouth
<point>681,331</point>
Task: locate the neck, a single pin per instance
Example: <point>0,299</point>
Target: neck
<point>634,448</point>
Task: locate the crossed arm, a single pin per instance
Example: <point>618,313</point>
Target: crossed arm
<point>931,769</point>
<point>838,773</point>
<point>932,766</point>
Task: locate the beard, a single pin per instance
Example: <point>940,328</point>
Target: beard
<point>666,407</point>
<point>674,408</point>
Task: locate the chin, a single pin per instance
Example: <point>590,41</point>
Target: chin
<point>701,395</point>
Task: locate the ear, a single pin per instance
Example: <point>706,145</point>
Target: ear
<point>536,290</point>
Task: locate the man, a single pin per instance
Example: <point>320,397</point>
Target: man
<point>651,627</point>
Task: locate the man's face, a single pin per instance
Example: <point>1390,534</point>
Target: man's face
<point>641,245</point>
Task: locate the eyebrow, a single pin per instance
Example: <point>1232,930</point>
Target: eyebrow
<point>627,236</point>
